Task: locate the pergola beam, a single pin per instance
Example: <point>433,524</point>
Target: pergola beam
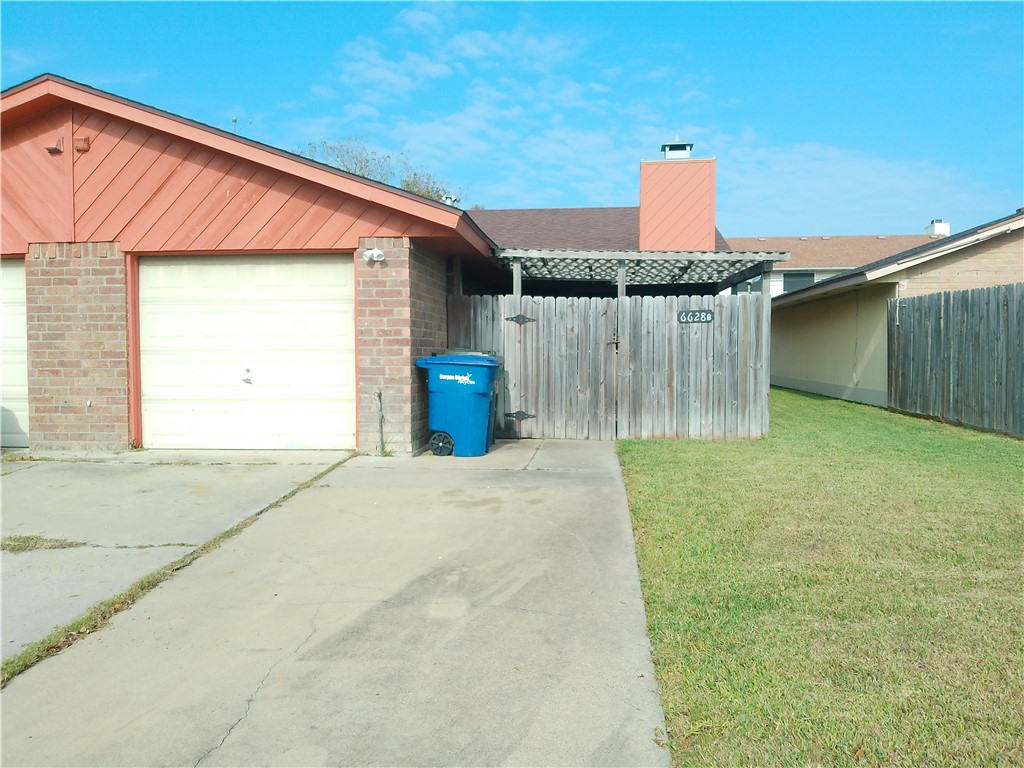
<point>556,253</point>
<point>625,268</point>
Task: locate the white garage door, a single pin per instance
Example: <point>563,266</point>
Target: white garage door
<point>13,356</point>
<point>247,352</point>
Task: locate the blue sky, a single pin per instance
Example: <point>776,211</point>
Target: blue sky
<point>825,118</point>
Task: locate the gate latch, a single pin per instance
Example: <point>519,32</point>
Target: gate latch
<point>520,415</point>
<point>522,319</point>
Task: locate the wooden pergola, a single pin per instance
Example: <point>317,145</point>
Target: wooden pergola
<point>715,271</point>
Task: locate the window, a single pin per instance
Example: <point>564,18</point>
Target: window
<point>794,281</point>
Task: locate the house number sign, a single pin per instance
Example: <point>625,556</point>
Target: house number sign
<point>696,316</point>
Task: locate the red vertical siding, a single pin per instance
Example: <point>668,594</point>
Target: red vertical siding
<point>35,185</point>
<point>153,192</point>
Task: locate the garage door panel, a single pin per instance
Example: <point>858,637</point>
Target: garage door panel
<point>248,352</point>
<point>246,329</point>
<point>275,428</point>
<point>13,355</point>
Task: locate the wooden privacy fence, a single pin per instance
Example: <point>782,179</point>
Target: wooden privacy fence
<point>956,356</point>
<point>603,369</point>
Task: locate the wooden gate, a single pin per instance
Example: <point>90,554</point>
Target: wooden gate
<point>604,369</point>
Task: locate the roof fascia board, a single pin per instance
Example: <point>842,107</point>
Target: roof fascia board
<point>819,290</point>
<point>279,160</point>
<point>943,248</point>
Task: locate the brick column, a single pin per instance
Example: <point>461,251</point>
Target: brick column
<point>76,311</point>
<point>401,314</point>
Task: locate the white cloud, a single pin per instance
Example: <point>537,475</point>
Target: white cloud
<point>655,73</point>
<point>378,75</point>
<point>322,91</point>
<point>23,60</point>
<point>519,118</point>
<point>474,45</point>
<point>420,20</point>
<point>773,191</point>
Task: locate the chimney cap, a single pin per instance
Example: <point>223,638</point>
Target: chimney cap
<point>676,145</point>
<point>676,150</point>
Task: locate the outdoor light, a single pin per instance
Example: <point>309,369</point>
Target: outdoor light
<point>374,254</point>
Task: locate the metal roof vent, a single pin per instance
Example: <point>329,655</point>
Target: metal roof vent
<point>676,150</point>
<point>937,228</point>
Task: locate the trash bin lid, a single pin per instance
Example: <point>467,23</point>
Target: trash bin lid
<point>484,361</point>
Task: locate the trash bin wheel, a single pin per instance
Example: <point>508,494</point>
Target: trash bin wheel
<point>441,444</point>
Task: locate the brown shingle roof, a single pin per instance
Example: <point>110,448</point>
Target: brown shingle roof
<point>841,252</point>
<point>605,229</point>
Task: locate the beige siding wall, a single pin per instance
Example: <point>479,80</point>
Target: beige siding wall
<point>834,346</point>
<point>998,261</point>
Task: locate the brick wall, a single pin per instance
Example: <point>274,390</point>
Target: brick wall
<point>76,312</point>
<point>401,314</point>
<point>429,303</point>
<point>997,261</point>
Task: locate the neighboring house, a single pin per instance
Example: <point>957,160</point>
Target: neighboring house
<point>816,258</point>
<point>167,284</point>
<point>831,337</point>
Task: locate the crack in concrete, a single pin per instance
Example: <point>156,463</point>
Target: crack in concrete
<point>248,706</point>
<point>180,545</point>
<point>255,693</point>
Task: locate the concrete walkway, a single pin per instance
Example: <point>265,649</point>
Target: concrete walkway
<point>427,611</point>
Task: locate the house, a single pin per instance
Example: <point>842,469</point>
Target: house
<point>831,337</point>
<point>167,284</point>
<point>816,258</point>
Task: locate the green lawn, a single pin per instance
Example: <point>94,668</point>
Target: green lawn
<point>847,591</point>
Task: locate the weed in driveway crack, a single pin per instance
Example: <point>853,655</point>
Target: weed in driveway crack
<point>32,543</point>
<point>100,614</point>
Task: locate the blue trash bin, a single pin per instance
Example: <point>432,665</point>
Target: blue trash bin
<point>460,402</point>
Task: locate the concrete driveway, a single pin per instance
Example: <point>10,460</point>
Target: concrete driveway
<point>136,512</point>
<point>427,611</point>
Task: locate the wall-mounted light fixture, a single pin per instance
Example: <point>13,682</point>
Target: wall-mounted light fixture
<point>373,254</point>
<point>57,148</point>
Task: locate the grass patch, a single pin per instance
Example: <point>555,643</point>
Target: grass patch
<point>31,543</point>
<point>100,614</point>
<point>847,591</point>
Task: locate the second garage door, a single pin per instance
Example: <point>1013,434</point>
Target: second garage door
<point>13,355</point>
<point>247,352</point>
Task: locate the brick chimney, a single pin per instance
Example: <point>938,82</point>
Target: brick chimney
<point>677,201</point>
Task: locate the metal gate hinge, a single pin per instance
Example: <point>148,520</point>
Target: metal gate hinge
<point>520,415</point>
<point>521,319</point>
